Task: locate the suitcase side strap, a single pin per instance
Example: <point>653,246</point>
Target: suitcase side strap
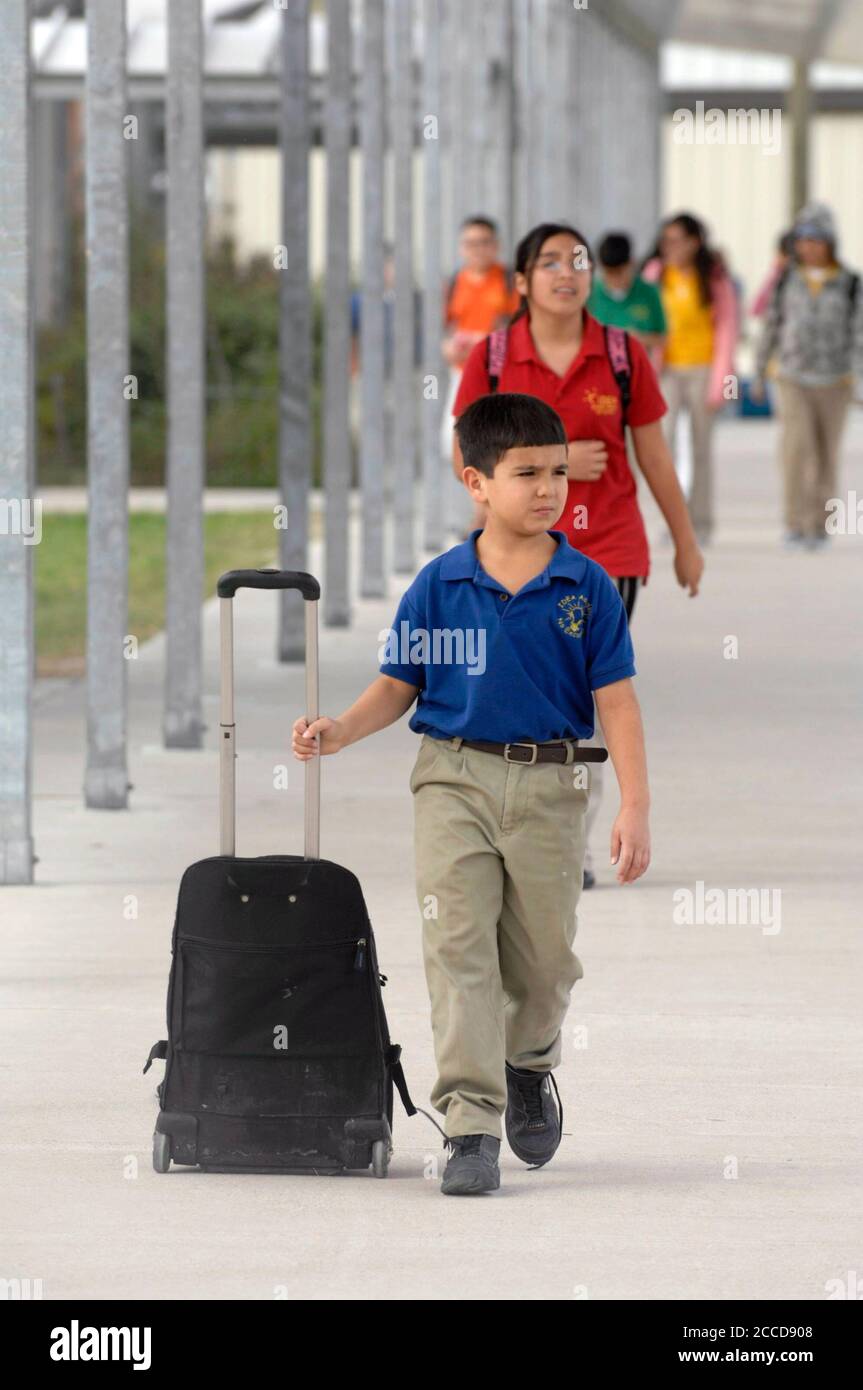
<point>398,1076</point>
<point>159,1049</point>
<point>394,1052</point>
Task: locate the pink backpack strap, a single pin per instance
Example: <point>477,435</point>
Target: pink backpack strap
<point>618,355</point>
<point>617,348</point>
<point>495,355</point>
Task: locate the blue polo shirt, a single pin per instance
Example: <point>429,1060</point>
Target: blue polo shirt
<point>508,668</point>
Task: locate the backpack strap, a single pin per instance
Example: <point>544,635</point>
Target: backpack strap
<point>617,349</point>
<point>495,355</point>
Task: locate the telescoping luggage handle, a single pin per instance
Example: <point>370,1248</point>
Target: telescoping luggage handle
<point>310,589</point>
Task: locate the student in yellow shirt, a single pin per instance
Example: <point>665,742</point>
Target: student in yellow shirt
<point>701,312</point>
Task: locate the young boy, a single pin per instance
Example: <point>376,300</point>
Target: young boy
<point>503,643</point>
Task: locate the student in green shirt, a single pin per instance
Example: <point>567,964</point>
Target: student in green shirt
<point>621,298</point>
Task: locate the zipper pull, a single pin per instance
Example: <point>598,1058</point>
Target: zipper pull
<point>360,957</point>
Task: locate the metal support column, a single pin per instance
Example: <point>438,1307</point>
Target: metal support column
<point>107,233</point>
<point>185,473</point>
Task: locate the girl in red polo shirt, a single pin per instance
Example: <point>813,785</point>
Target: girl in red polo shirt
<point>556,350</point>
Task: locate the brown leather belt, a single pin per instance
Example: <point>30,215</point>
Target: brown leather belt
<point>540,752</point>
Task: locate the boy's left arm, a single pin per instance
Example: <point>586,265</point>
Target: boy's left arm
<point>620,717</point>
<point>657,465</point>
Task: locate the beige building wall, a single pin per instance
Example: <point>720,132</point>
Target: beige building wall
<point>243,192</point>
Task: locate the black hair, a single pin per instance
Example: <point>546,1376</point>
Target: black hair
<point>505,420</point>
<point>481,221</point>
<point>529,249</point>
<point>707,261</point>
<point>615,249</point>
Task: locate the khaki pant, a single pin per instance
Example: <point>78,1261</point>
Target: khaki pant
<point>499,850</point>
<point>685,388</point>
<point>812,422</point>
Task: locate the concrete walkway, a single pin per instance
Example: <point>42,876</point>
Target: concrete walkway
<point>712,1145</point>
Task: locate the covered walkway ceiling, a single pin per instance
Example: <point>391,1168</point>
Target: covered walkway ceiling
<point>242,36</point>
<point>808,29</point>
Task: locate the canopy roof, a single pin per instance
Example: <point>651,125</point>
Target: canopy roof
<point>242,36</point>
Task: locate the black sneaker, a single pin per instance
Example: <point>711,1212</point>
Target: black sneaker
<point>534,1123</point>
<point>472,1166</point>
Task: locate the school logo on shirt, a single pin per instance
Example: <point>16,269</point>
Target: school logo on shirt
<point>576,608</point>
<point>600,404</point>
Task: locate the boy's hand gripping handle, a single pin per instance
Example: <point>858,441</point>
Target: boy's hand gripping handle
<point>310,589</point>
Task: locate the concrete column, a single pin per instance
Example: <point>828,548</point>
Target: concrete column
<point>563,19</point>
<point>541,179</point>
<point>295,323</point>
<point>336,422</point>
<point>18,517</point>
<point>800,111</point>
<point>433,274</point>
<point>107,231</point>
<point>477,91</point>
<point>404,372</point>
<point>186,377</point>
<point>588,130</point>
<point>51,230</point>
<point>525,116</point>
<point>460,78</point>
<point>372,380</point>
<point>143,158</point>
<point>501,125</point>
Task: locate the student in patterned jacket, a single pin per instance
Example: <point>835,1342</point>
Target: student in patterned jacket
<point>814,329</point>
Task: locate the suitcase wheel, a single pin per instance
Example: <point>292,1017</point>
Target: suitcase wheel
<point>161,1152</point>
<point>380,1158</point>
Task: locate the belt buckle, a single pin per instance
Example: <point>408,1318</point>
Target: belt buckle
<point>526,762</point>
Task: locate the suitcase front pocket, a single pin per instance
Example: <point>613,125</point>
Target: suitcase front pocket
<point>276,1001</point>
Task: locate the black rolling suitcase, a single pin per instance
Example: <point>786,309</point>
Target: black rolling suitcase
<point>278,1057</point>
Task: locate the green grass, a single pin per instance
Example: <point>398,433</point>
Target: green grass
<point>232,540</point>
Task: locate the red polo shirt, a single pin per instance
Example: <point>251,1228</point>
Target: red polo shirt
<point>609,527</point>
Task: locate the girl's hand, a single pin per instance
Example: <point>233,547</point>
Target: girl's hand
<point>303,739</point>
<point>689,567</point>
<point>587,459</point>
<point>630,844</point>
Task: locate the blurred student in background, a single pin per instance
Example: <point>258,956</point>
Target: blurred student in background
<point>814,328</point>
<point>622,298</point>
<point>784,252</point>
<point>702,316</point>
<point>480,297</point>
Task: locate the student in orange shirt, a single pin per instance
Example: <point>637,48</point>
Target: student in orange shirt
<point>481,297</point>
